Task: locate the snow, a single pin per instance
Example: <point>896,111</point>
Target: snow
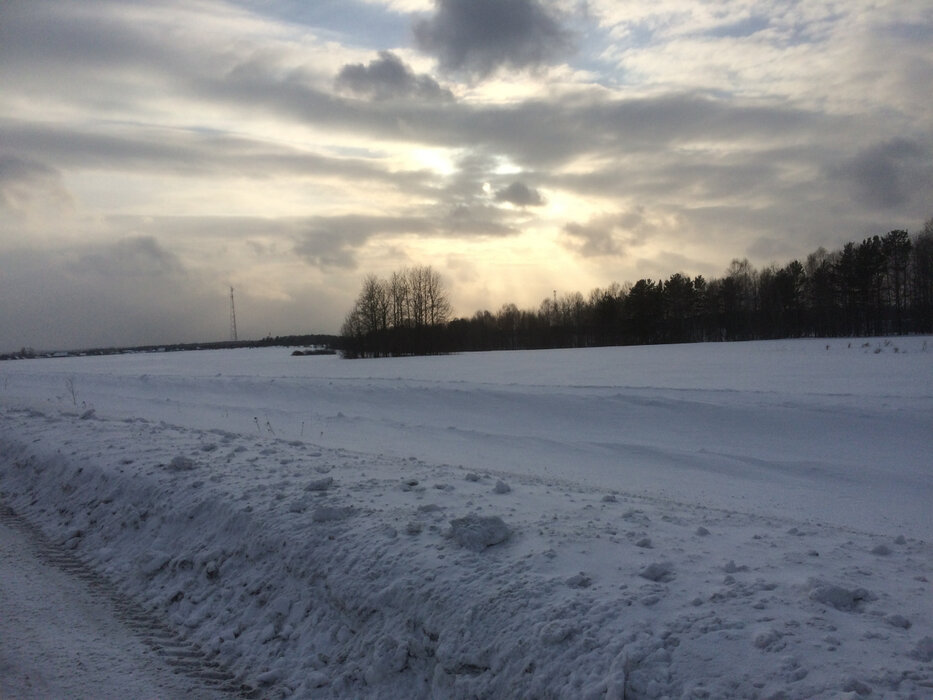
<point>58,634</point>
<point>719,520</point>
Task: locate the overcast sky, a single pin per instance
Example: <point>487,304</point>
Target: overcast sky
<point>154,153</point>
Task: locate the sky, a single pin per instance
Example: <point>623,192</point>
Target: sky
<point>154,154</point>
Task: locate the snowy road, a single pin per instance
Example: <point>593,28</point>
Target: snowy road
<point>62,638</point>
<point>733,521</point>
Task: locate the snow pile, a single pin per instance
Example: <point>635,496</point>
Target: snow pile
<point>313,570</point>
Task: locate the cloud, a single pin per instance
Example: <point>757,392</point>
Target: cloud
<point>388,77</point>
<point>462,205</point>
<point>28,185</point>
<point>134,256</point>
<point>606,235</point>
<point>332,242</point>
<point>519,194</point>
<point>479,36</point>
<point>335,242</point>
<point>476,220</point>
<point>888,174</point>
<point>131,292</point>
<point>183,152</point>
<point>740,28</point>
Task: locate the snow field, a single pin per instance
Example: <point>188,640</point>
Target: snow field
<point>314,570</point>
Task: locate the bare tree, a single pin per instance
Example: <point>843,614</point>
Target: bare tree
<point>437,303</point>
<point>401,315</point>
<point>400,299</point>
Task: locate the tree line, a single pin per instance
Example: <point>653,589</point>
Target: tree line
<point>880,286</point>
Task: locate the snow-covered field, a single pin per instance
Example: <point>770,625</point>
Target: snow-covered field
<point>719,520</point>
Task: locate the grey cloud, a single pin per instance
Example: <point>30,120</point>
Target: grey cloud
<point>687,175</point>
<point>664,264</point>
<point>536,134</point>
<point>479,36</point>
<point>331,242</point>
<point>463,204</point>
<point>742,28</point>
<point>603,236</point>
<point>388,77</point>
<point>325,242</point>
<point>142,148</point>
<point>770,248</point>
<point>134,256</point>
<point>476,220</point>
<point>190,153</point>
<point>93,53</point>
<point>519,194</point>
<point>590,241</point>
<point>67,299</point>
<point>26,184</point>
<point>542,133</point>
<point>137,291</point>
<point>473,169</point>
<point>89,33</point>
<point>888,174</point>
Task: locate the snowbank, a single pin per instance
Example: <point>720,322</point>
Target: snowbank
<point>317,571</point>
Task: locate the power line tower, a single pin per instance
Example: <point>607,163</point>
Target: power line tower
<point>232,317</point>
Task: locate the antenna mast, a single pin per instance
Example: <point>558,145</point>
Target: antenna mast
<point>233,336</point>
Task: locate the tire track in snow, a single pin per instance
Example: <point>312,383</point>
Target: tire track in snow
<point>179,655</point>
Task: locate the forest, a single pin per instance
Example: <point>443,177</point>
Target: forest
<point>880,286</point>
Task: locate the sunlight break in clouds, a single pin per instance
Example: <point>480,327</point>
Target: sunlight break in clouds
<point>289,149</point>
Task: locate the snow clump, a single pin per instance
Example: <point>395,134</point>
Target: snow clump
<point>839,597</point>
<point>476,532</point>
<point>181,464</point>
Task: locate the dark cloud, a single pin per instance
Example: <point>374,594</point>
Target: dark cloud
<point>520,194</point>
<point>388,77</point>
<point>479,36</point>
<point>888,174</point>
